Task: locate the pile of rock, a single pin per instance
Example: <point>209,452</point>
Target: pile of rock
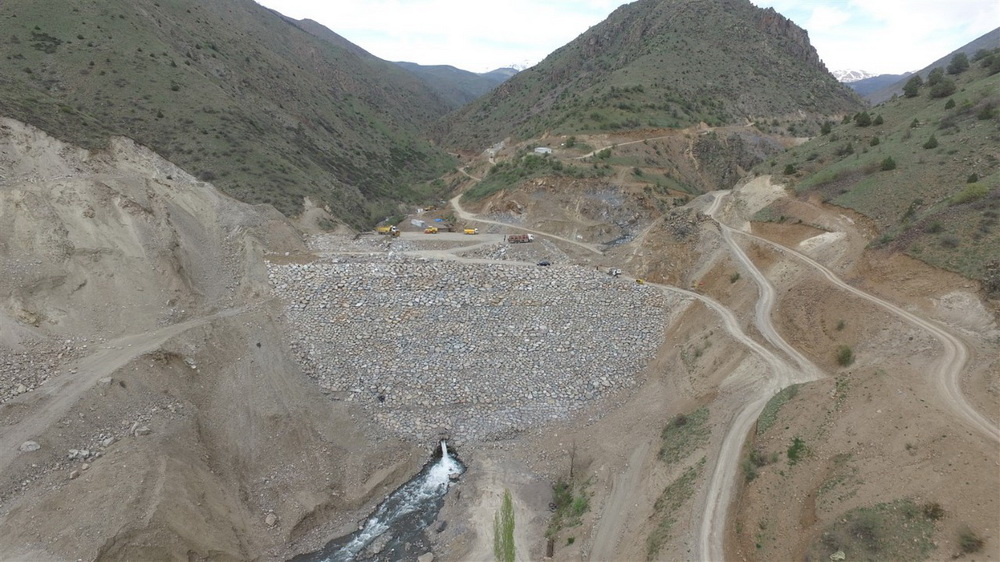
<point>477,350</point>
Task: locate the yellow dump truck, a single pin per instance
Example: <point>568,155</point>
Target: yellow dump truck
<point>472,231</point>
<point>390,230</point>
<point>431,230</point>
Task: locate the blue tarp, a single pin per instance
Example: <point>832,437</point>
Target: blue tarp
<point>438,220</point>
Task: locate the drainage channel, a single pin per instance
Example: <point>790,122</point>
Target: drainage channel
<point>400,519</point>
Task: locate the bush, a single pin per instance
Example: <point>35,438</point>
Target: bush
<point>973,178</point>
<point>912,87</point>
<point>933,511</point>
<point>874,141</point>
<point>888,164</point>
<point>959,63</point>
<point>950,104</point>
<point>796,451</point>
<point>878,120</point>
<point>863,119</point>
<point>789,169</point>
<point>845,355</point>
<point>943,89</point>
<point>931,143</point>
<point>969,541</point>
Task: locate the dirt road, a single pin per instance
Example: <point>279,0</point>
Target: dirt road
<point>711,535</point>
<point>948,369</point>
<point>51,402</point>
<point>465,215</point>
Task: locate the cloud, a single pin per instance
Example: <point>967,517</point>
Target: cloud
<point>888,36</point>
<point>473,36</point>
<point>885,36</point>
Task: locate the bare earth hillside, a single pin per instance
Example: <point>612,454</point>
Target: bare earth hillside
<point>139,352</point>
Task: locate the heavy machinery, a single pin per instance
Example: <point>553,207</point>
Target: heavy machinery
<point>472,231</point>
<point>431,230</point>
<point>387,230</point>
<point>520,238</point>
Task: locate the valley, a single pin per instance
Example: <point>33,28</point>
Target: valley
<point>673,293</point>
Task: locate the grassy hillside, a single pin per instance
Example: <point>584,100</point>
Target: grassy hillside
<point>661,63</point>
<point>926,170</point>
<point>228,90</point>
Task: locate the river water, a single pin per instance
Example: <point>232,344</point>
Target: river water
<point>400,519</point>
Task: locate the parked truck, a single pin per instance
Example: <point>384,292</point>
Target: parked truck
<point>431,230</point>
<point>472,231</point>
<point>520,238</point>
<point>388,229</point>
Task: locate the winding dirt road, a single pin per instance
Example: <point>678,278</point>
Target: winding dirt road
<point>711,536</point>
<point>948,369</point>
<point>51,402</point>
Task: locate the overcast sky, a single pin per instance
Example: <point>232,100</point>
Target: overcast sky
<point>881,36</point>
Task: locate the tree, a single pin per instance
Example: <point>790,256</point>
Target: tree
<point>912,87</point>
<point>959,63</point>
<point>888,164</point>
<point>944,88</point>
<point>878,120</point>
<point>503,530</point>
<point>931,143</point>
<point>826,128</point>
<point>935,76</point>
<point>863,119</point>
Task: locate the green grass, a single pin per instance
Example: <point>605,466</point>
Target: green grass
<point>928,185</point>
<point>503,531</point>
<point>770,412</point>
<point>684,435</point>
<point>667,505</point>
<point>572,501</point>
<point>898,530</point>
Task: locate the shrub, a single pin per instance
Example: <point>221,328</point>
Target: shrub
<point>845,355</point>
<point>874,141</point>
<point>943,89</point>
<point>796,451</point>
<point>789,169</point>
<point>862,119</point>
<point>734,277</point>
<point>935,227</point>
<point>969,541</point>
<point>933,511</point>
<point>826,127</point>
<point>878,120</point>
<point>973,178</point>
<point>931,143</point>
<point>888,164</point>
<point>912,87</point>
<point>950,103</point>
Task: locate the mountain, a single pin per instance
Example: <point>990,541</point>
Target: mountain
<point>455,86</point>
<point>660,63</point>
<point>268,109</point>
<point>987,42</point>
<point>866,86</point>
<point>848,76</point>
<point>921,168</point>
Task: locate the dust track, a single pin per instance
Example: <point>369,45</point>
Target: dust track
<point>711,536</point>
<point>51,402</point>
<point>465,215</point>
<point>948,369</point>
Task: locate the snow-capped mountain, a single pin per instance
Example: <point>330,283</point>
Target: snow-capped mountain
<point>852,75</point>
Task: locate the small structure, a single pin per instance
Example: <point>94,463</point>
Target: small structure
<point>543,150</point>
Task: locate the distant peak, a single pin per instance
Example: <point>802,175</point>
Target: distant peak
<point>852,75</point>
